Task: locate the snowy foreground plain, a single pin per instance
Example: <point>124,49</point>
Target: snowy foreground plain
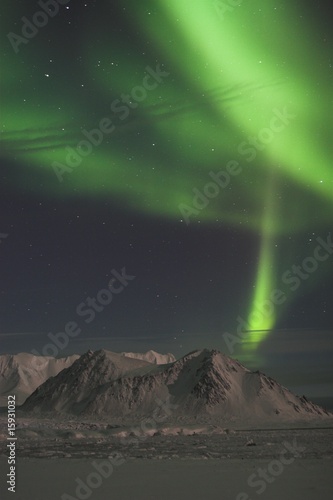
<point>71,460</point>
<point>204,427</point>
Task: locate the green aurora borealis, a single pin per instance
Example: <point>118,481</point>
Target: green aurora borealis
<point>228,75</point>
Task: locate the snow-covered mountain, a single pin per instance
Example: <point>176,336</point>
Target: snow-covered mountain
<point>152,357</point>
<point>21,374</point>
<point>72,389</point>
<point>202,384</point>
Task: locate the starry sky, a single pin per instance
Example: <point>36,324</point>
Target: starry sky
<point>166,180</point>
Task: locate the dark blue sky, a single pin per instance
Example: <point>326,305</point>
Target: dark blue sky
<point>58,247</point>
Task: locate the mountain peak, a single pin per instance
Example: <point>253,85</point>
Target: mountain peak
<point>152,357</point>
<point>203,384</point>
<point>22,373</point>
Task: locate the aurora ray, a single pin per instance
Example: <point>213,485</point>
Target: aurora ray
<point>227,78</point>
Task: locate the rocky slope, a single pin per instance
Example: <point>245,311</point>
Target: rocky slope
<point>199,385</point>
<point>21,374</point>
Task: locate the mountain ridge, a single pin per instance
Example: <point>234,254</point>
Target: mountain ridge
<point>22,373</point>
<point>203,383</point>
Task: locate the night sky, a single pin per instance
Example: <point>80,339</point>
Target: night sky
<point>185,145</point>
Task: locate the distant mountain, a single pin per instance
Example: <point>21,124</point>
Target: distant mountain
<point>21,374</point>
<point>72,389</point>
<point>152,357</point>
<point>202,384</point>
